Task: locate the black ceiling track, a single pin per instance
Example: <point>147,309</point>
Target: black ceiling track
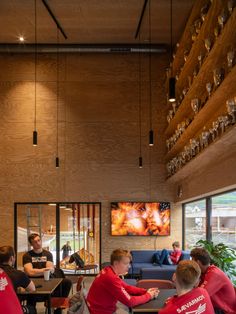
<point>54,18</point>
<point>140,19</point>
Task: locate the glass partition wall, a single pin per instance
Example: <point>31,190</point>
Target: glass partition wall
<point>65,228</point>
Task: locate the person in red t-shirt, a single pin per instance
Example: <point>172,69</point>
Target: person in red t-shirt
<point>215,281</point>
<point>168,259</point>
<point>108,288</point>
<point>9,303</point>
<point>189,300</point>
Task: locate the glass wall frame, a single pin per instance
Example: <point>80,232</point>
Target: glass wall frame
<point>219,226</point>
<point>57,224</point>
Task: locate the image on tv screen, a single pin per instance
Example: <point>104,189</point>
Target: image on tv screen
<point>140,219</point>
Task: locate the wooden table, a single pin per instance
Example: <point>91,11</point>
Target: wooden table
<point>154,305</point>
<point>46,289</point>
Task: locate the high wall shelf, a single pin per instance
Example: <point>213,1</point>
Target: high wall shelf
<point>214,106</point>
<point>186,41</point>
<point>212,109</point>
<point>215,151</point>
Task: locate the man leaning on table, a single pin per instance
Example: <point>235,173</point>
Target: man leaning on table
<point>37,260</point>
<point>216,283</point>
<point>108,288</point>
<point>189,299</point>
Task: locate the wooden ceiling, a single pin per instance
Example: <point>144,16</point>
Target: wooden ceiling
<point>92,21</point>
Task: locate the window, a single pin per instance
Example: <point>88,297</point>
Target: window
<point>223,219</point>
<point>195,222</point>
<point>215,221</point>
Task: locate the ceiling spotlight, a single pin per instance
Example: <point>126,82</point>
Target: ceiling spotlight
<point>21,39</point>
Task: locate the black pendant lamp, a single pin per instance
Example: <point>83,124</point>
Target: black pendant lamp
<point>151,138</point>
<point>140,162</point>
<point>172,97</point>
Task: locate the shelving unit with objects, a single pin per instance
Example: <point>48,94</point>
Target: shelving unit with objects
<point>214,106</point>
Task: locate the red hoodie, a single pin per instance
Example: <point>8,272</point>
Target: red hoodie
<point>108,288</point>
<point>175,256</point>
<point>220,289</point>
<point>195,301</point>
<point>9,303</point>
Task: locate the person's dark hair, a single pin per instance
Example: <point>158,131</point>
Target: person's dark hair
<point>200,254</point>
<point>117,255</point>
<point>32,236</point>
<point>187,274</point>
<point>5,253</point>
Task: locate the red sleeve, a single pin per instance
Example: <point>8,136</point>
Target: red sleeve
<point>168,307</point>
<point>175,256</point>
<point>132,290</point>
<point>211,282</point>
<point>116,288</point>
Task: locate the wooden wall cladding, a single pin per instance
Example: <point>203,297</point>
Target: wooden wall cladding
<point>98,135</point>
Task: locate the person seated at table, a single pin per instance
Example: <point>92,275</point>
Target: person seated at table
<point>9,302</point>
<point>37,260</point>
<point>168,259</point>
<point>108,288</point>
<point>188,299</point>
<point>18,278</point>
<point>216,282</point>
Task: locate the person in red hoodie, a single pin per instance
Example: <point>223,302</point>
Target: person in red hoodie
<point>168,259</point>
<point>9,303</point>
<point>188,299</point>
<point>215,281</point>
<point>108,288</point>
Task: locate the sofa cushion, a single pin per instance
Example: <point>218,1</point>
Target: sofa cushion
<point>165,272</point>
<point>136,267</point>
<point>185,255</point>
<point>142,256</point>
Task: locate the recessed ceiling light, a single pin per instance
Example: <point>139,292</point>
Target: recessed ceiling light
<point>21,39</point>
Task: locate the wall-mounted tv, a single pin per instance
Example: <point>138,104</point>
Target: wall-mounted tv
<point>140,219</point>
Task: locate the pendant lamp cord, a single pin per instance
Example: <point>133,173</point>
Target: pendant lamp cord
<point>140,102</point>
<point>35,63</point>
<point>57,84</point>
<point>150,56</point>
<point>171,35</point>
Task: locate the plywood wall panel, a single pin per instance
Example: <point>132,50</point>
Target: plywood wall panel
<point>98,135</point>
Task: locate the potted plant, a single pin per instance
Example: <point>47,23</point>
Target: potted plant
<point>222,256</point>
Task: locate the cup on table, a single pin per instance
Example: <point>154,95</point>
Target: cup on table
<point>46,274</point>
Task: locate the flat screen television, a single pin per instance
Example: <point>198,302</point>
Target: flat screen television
<point>140,219</point>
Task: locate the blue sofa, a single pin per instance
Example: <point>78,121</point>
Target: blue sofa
<point>142,265</point>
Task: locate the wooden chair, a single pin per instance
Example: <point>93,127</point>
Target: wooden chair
<point>64,302</point>
<point>155,283</point>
